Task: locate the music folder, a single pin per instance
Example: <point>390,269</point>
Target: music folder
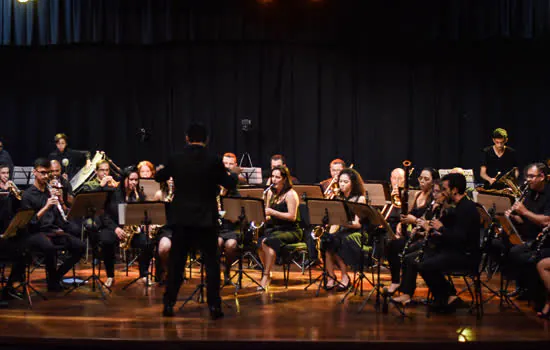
<point>19,221</point>
<point>510,230</point>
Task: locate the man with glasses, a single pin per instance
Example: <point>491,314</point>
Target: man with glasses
<point>47,229</point>
<point>103,180</point>
<point>529,218</point>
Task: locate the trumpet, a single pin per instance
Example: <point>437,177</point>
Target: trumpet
<point>333,187</point>
<point>14,190</point>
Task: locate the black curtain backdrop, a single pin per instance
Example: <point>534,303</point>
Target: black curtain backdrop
<point>338,89</point>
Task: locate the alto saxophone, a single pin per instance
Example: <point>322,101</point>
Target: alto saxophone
<point>129,232</point>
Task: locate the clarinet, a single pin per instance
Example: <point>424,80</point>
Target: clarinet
<point>538,244</point>
<point>59,207</point>
<point>420,257</point>
<point>411,236</point>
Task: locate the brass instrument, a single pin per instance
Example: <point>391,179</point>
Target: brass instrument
<point>129,232</point>
<point>154,230</point>
<point>14,190</point>
<point>333,187</point>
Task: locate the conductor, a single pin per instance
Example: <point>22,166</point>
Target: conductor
<point>194,214</point>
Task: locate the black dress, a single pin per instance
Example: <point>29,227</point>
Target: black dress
<point>279,233</point>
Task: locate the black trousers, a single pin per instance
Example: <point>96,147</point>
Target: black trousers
<point>185,239</point>
<point>11,252</point>
<point>393,250</point>
<point>410,268</point>
<point>311,246</point>
<point>107,241</point>
<point>522,265</point>
<point>146,247</point>
<point>47,244</point>
<point>434,268</point>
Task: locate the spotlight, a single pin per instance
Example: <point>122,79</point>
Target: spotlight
<point>23,1</point>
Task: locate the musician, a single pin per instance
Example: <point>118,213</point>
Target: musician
<point>410,262</point>
<point>103,181</point>
<point>277,160</point>
<point>9,203</point>
<point>421,202</point>
<point>529,217</point>
<point>336,166</point>
<point>66,195</point>
<point>458,242</point>
<point>194,214</point>
<point>498,159</point>
<point>48,229</point>
<point>9,250</point>
<point>282,221</point>
<point>230,162</point>
<point>72,160</point>
<point>343,247</point>
<point>5,157</point>
<point>165,194</point>
<point>543,268</point>
<point>146,169</point>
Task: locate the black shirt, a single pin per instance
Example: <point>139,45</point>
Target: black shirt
<point>51,221</point>
<point>462,233</point>
<point>496,164</point>
<point>538,203</point>
<point>77,159</point>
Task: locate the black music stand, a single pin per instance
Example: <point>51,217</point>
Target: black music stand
<point>326,212</point>
<point>306,192</point>
<point>243,210</point>
<point>88,206</point>
<point>142,214</point>
<point>20,222</point>
<point>380,227</point>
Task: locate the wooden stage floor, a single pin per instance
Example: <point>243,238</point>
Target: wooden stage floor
<point>291,318</point>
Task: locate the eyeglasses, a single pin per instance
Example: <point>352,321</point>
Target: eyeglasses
<point>44,172</point>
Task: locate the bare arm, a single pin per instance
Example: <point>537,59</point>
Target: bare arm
<point>484,176</point>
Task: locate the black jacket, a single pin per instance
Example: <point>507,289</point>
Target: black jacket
<point>197,176</point>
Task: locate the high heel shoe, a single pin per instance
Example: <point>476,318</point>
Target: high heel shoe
<point>401,300</point>
<point>109,282</point>
<point>344,287</point>
<point>333,278</point>
<point>266,286</point>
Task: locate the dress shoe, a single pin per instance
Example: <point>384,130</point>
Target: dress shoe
<point>55,287</point>
<point>516,292</point>
<point>168,310</point>
<point>216,312</point>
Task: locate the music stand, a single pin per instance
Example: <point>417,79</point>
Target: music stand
<point>88,206</point>
<point>243,210</point>
<point>510,230</point>
<point>149,187</point>
<point>379,194</point>
<point>380,226</point>
<point>501,203</point>
<point>325,212</point>
<point>19,222</point>
<point>142,214</point>
<point>306,192</point>
<point>253,175</point>
<point>251,192</point>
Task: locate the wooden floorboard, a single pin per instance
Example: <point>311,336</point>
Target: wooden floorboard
<point>291,318</point>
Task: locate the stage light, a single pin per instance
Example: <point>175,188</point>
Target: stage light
<point>23,1</point>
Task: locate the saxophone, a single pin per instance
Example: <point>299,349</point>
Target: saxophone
<point>129,232</point>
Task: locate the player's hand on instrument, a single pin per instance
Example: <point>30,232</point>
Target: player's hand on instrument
<point>52,201</point>
<point>106,180</point>
<point>120,233</point>
<point>269,212</point>
<point>519,208</point>
<point>436,224</point>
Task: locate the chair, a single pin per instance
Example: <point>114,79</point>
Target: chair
<point>297,253</point>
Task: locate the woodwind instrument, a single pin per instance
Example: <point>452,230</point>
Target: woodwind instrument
<point>538,244</point>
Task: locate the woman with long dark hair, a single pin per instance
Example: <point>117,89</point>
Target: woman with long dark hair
<point>343,244</point>
<point>282,221</point>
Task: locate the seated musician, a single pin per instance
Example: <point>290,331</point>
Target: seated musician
<point>282,221</point>
<point>10,201</point>
<point>5,157</point>
<point>129,191</point>
<point>72,160</point>
<point>48,228</point>
<point>9,250</point>
<point>543,267</point>
<point>343,246</point>
<point>426,247</point>
<point>421,202</point>
<point>146,170</point>
<point>277,160</point>
<point>529,217</point>
<point>66,195</point>
<point>103,181</point>
<point>229,235</point>
<point>164,237</point>
<point>230,162</point>
<point>335,168</point>
<point>497,160</point>
<point>458,244</point>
